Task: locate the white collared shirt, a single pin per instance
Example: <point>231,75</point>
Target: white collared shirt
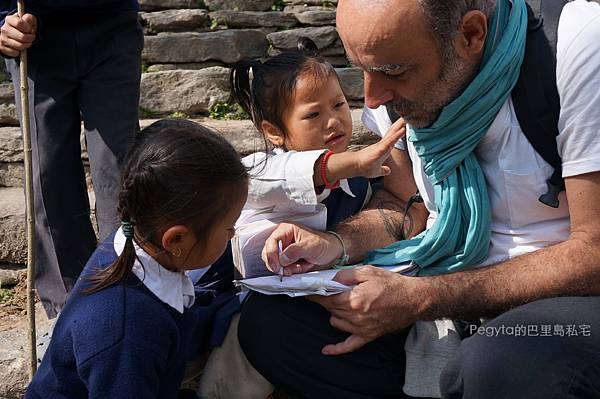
<point>282,183</point>
<point>515,173</point>
<point>173,288</point>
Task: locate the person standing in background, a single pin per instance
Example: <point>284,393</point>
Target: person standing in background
<point>84,65</point>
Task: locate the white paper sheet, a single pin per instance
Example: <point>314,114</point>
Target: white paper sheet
<point>311,283</point>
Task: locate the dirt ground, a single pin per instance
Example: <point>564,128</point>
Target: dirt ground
<point>13,306</point>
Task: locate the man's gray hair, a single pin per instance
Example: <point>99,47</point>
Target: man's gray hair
<point>443,18</point>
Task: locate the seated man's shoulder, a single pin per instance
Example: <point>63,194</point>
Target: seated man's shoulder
<point>580,23</point>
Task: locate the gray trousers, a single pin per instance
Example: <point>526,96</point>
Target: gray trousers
<point>81,68</point>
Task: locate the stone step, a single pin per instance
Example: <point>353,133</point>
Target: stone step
<point>14,352</point>
<point>13,245</point>
<point>240,133</point>
<point>13,240</point>
<point>10,274</point>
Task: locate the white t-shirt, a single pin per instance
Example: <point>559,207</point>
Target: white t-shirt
<point>516,174</point>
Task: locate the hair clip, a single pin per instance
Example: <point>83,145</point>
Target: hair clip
<point>127,228</point>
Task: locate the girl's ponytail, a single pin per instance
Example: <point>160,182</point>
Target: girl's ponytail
<point>121,268</point>
<point>241,88</point>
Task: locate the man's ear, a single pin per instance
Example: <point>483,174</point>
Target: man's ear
<point>272,133</point>
<point>472,32</point>
<point>175,240</point>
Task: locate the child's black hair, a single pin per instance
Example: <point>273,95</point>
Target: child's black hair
<point>177,172</point>
<point>273,84</point>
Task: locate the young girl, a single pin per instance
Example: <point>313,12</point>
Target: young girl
<point>296,101</point>
<point>127,328</point>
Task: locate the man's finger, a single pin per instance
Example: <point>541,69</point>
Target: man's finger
<point>335,304</point>
<point>12,44</point>
<point>31,22</point>
<point>270,255</point>
<point>352,343</point>
<point>352,277</point>
<point>27,24</point>
<point>301,266</point>
<point>8,51</point>
<point>291,254</point>
<point>24,38</point>
<point>385,170</point>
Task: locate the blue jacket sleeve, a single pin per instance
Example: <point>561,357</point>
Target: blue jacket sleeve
<point>7,7</point>
<point>124,370</point>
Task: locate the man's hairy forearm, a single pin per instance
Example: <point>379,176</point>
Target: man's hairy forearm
<point>571,268</point>
<point>381,223</point>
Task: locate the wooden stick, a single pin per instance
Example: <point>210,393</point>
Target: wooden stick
<point>29,200</point>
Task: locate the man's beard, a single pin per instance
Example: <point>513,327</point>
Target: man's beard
<point>454,77</point>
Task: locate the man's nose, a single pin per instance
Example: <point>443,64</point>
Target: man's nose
<point>377,90</point>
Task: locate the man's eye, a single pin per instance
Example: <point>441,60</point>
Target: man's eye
<point>340,104</point>
<point>312,115</point>
<point>396,74</point>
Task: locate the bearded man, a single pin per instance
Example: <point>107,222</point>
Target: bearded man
<point>448,68</point>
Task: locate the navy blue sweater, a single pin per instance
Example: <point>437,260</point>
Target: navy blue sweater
<point>120,342</point>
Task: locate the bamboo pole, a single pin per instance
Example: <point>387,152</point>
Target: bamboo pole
<point>29,201</point>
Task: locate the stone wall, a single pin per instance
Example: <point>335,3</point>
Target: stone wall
<point>188,49</point>
<point>190,44</point>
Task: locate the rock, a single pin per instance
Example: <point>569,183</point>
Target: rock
<point>323,37</point>
<point>361,136</point>
<point>153,5</point>
<point>246,139</point>
<point>11,174</point>
<point>7,92</point>
<point>337,61</point>
<point>228,46</point>
<point>241,134</point>
<point>352,82</point>
<point>335,49</point>
<point>10,274</point>
<point>239,5</point>
<point>189,92</point>
<point>12,226</point>
<point>310,2</point>
<point>8,115</point>
<point>8,110</point>
<point>14,354</point>
<point>194,66</point>
<point>252,19</point>
<point>304,8</point>
<point>11,144</point>
<point>174,20</point>
<point>316,18</point>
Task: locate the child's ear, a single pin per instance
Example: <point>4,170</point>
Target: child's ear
<point>175,239</point>
<point>272,133</point>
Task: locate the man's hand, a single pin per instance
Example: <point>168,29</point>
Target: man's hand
<point>304,249</point>
<point>17,34</point>
<point>380,302</point>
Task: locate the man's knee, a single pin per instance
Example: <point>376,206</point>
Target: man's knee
<point>536,350</point>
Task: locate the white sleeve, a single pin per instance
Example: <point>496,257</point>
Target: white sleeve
<point>378,121</point>
<point>578,84</point>
<point>283,181</point>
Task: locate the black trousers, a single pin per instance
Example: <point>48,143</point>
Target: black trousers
<point>86,68</point>
<point>545,349</point>
<point>282,338</point>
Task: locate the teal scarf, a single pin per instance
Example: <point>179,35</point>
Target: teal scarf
<point>460,236</point>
